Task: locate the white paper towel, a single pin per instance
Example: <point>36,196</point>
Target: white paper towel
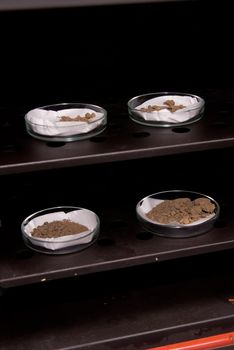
<point>83,216</point>
<point>165,115</point>
<point>47,122</point>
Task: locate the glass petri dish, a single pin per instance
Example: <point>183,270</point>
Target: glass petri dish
<point>66,122</point>
<point>66,243</point>
<point>175,229</point>
<point>166,109</point>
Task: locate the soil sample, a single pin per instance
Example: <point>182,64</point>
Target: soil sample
<point>181,210</point>
<point>58,228</point>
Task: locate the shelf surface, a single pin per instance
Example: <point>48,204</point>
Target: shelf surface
<point>135,309</point>
<point>122,140</point>
<point>6,5</point>
<point>112,192</point>
<point>122,242</point>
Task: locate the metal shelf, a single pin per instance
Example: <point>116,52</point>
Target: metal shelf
<point>9,5</point>
<point>21,153</point>
<point>137,307</point>
<point>122,242</point>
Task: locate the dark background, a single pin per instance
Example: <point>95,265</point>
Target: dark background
<point>111,53</point>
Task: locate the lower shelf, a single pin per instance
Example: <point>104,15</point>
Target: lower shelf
<point>135,308</point>
<point>121,244</point>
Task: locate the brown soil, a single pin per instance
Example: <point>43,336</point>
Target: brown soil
<point>87,118</point>
<point>181,210</point>
<point>58,228</point>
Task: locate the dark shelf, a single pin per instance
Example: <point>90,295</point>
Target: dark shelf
<point>135,309</point>
<point>21,153</point>
<point>7,5</point>
<point>122,243</point>
<point>112,191</point>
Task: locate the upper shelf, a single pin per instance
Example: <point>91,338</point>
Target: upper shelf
<point>7,5</point>
<point>123,139</point>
